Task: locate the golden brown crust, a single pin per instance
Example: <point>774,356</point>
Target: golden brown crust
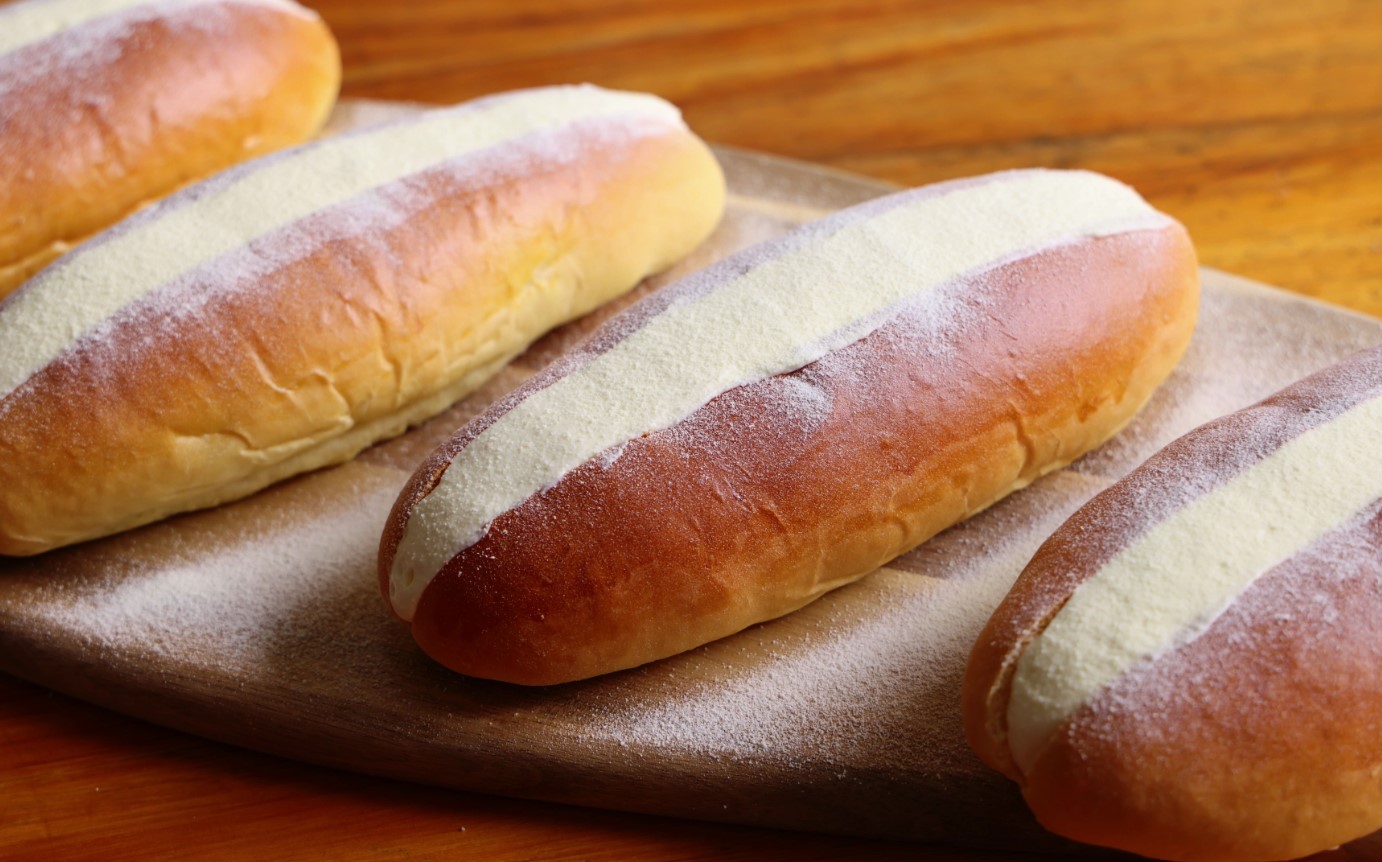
<point>1258,739</point>
<point>345,345</point>
<point>740,513</point>
<point>169,104</point>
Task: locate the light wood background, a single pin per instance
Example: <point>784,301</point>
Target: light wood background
<point>1259,124</point>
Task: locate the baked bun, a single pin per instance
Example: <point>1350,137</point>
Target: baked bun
<point>289,312</point>
<point>788,420</point>
<point>108,104</point>
<point>1189,668</point>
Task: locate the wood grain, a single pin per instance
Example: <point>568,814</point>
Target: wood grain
<point>1259,125</point>
<point>78,782</point>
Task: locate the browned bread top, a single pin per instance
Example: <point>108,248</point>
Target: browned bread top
<point>788,420</point>
<point>288,312</point>
<point>108,104</point>
<point>1187,668</point>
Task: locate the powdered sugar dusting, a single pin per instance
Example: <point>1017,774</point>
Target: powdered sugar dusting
<point>1295,609</point>
<point>75,41</point>
<point>197,301</point>
<point>760,313</point>
<point>1182,537</point>
<point>240,213</point>
<point>1284,685</point>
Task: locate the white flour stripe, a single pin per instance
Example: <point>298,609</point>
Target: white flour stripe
<point>47,316</point>
<point>779,315</point>
<point>1172,582</point>
<point>27,23</point>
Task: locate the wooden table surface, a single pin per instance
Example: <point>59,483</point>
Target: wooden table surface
<point>1257,124</point>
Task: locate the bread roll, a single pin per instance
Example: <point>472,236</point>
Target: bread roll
<point>108,104</point>
<point>1189,668</point>
<point>788,420</point>
<point>289,312</point>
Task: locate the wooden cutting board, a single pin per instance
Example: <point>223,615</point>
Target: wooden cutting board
<point>259,623</point>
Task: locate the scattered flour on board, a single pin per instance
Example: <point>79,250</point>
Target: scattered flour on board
<point>228,605</point>
<point>880,665</point>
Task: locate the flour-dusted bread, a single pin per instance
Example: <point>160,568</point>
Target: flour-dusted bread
<point>1191,667</point>
<point>289,312</point>
<point>787,421</point>
<point>108,104</point>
